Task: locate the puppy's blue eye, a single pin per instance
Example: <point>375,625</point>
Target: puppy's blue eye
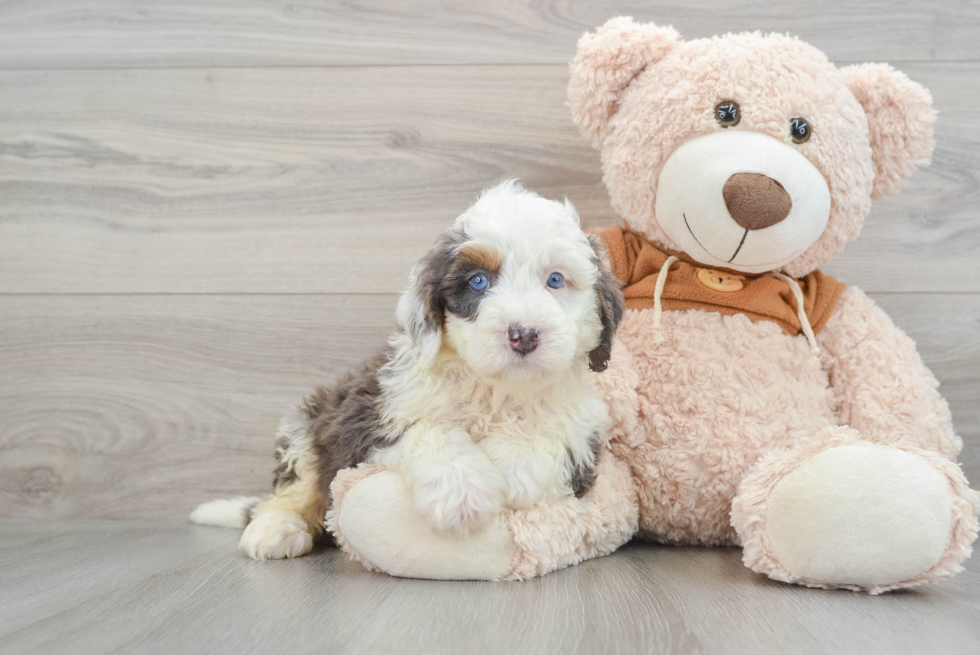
<point>479,282</point>
<point>555,281</point>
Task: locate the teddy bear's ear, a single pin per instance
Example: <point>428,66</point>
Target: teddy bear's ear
<point>606,62</point>
<point>900,119</point>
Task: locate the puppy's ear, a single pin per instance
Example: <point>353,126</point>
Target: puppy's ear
<point>422,308</point>
<point>609,298</point>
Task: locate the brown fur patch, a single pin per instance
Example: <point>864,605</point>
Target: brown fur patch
<point>443,279</point>
<point>481,256</point>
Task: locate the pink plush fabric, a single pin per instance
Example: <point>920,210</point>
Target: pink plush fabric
<point>617,387</point>
<point>554,535</point>
<point>882,387</point>
<point>900,120</point>
<point>716,395</point>
<point>722,401</point>
<point>606,62</point>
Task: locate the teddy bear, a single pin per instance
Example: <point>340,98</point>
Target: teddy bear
<point>754,401</point>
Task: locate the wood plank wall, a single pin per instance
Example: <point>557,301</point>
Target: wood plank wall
<point>208,207</point>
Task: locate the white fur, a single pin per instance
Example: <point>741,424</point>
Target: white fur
<point>690,189</point>
<point>276,534</point>
<point>225,513</point>
<point>480,426</point>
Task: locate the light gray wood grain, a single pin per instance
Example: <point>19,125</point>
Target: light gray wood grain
<point>200,596</point>
<point>143,406</point>
<point>337,180</point>
<point>114,33</point>
<point>123,406</point>
<point>49,567</point>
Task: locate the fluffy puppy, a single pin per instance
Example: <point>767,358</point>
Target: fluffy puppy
<point>483,398</point>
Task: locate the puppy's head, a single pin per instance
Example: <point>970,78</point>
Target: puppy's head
<point>515,289</point>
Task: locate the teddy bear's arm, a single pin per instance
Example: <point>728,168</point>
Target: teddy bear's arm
<point>616,386</point>
<point>882,387</point>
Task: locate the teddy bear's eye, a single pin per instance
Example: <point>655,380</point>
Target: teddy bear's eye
<point>799,130</point>
<point>727,113</point>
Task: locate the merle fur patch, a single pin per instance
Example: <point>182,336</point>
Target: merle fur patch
<point>345,422</point>
<point>611,304</point>
<point>583,475</point>
<point>443,279</point>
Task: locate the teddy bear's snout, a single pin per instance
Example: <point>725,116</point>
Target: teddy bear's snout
<point>741,200</point>
<point>756,201</point>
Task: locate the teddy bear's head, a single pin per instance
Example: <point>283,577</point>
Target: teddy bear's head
<point>747,151</point>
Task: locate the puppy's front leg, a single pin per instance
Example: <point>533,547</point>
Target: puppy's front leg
<point>456,486</point>
<point>536,469</point>
<point>527,471</point>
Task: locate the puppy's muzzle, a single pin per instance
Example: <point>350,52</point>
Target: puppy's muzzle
<point>523,339</point>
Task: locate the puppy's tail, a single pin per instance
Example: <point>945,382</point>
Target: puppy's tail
<point>227,512</point>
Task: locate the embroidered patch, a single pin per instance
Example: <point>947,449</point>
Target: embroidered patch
<point>719,281</point>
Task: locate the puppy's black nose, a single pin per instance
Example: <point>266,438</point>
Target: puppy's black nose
<point>523,339</point>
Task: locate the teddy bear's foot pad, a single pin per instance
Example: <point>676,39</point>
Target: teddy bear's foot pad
<point>380,523</point>
<point>860,515</point>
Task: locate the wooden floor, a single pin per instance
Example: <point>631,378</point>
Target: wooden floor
<point>207,207</point>
<point>88,587</point>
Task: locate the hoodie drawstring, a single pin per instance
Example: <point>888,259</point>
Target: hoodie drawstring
<point>811,338</point>
<point>801,313</point>
<point>658,334</point>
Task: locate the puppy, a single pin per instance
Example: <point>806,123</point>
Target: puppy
<point>482,399</point>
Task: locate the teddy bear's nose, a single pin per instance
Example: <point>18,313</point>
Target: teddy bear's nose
<point>756,201</point>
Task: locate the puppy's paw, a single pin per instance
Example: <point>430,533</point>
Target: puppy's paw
<point>523,489</point>
<point>276,535</point>
<point>460,496</point>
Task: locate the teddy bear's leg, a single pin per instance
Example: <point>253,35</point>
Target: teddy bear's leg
<point>374,520</point>
<point>838,511</point>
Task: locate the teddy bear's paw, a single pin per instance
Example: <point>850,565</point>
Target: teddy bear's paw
<point>860,515</point>
<point>276,535</point>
